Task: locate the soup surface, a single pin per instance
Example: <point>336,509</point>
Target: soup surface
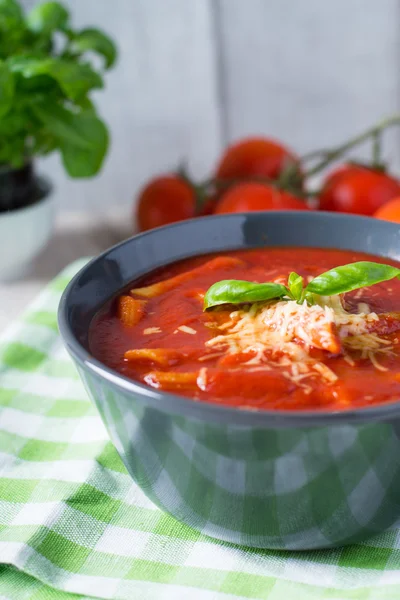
<point>264,356</point>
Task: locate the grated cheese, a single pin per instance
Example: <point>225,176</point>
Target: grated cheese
<point>186,329</point>
<point>325,371</point>
<point>376,364</point>
<point>150,330</point>
<point>369,345</point>
<point>363,308</point>
<point>283,333</point>
<point>349,360</point>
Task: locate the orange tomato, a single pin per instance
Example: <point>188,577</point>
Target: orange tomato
<point>164,200</point>
<point>389,211</point>
<point>245,197</point>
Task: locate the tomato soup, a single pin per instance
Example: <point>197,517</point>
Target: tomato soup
<point>280,355</point>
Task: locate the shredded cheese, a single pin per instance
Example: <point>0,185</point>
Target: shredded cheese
<point>186,329</point>
<point>349,360</point>
<point>363,308</point>
<point>369,345</point>
<point>283,333</point>
<point>325,371</point>
<point>150,330</point>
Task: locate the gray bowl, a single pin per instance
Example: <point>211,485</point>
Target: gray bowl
<point>269,479</point>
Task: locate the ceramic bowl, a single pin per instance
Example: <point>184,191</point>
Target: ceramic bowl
<point>268,479</point>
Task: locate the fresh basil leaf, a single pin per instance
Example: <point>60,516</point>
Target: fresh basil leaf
<point>11,16</point>
<point>13,125</point>
<point>86,105</point>
<point>232,291</point>
<point>295,283</point>
<point>13,33</point>
<point>44,144</point>
<point>84,162</point>
<point>6,89</point>
<point>12,152</point>
<point>93,40</point>
<point>63,124</point>
<point>48,17</point>
<point>44,87</point>
<point>75,79</point>
<point>83,138</point>
<point>309,298</point>
<point>351,277</point>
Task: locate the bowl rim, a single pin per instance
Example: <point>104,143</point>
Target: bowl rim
<point>204,410</point>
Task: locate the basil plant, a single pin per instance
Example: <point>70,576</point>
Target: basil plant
<point>46,78</point>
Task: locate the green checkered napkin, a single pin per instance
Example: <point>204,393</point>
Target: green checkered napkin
<point>74,525</point>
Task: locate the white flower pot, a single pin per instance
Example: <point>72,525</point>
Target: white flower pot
<point>24,232</point>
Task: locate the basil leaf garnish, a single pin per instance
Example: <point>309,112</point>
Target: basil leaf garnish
<point>295,283</point>
<point>232,291</point>
<point>336,281</point>
<point>351,277</point>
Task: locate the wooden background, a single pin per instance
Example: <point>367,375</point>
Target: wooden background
<point>195,74</point>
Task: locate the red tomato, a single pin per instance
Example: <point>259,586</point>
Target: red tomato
<point>164,200</point>
<point>357,189</point>
<point>245,197</point>
<point>254,157</point>
<point>389,211</point>
<point>209,206</point>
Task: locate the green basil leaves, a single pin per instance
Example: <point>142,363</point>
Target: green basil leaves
<point>296,284</point>
<point>7,87</point>
<point>351,277</point>
<point>336,281</point>
<point>46,18</point>
<point>95,41</point>
<point>47,77</point>
<point>232,291</point>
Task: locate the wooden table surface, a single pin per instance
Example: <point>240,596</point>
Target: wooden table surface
<point>76,235</point>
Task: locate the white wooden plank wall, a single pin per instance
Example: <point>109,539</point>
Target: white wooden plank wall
<point>194,74</point>
<point>160,101</point>
<point>310,72</point>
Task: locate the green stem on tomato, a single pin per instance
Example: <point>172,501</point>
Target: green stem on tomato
<point>376,148</point>
<point>284,184</point>
<point>315,154</point>
<point>334,154</point>
<point>289,181</point>
<point>200,190</point>
<point>228,182</point>
<point>377,163</point>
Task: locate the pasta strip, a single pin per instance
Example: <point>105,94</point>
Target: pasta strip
<point>170,380</point>
<point>156,289</point>
<point>130,310</point>
<point>163,357</point>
